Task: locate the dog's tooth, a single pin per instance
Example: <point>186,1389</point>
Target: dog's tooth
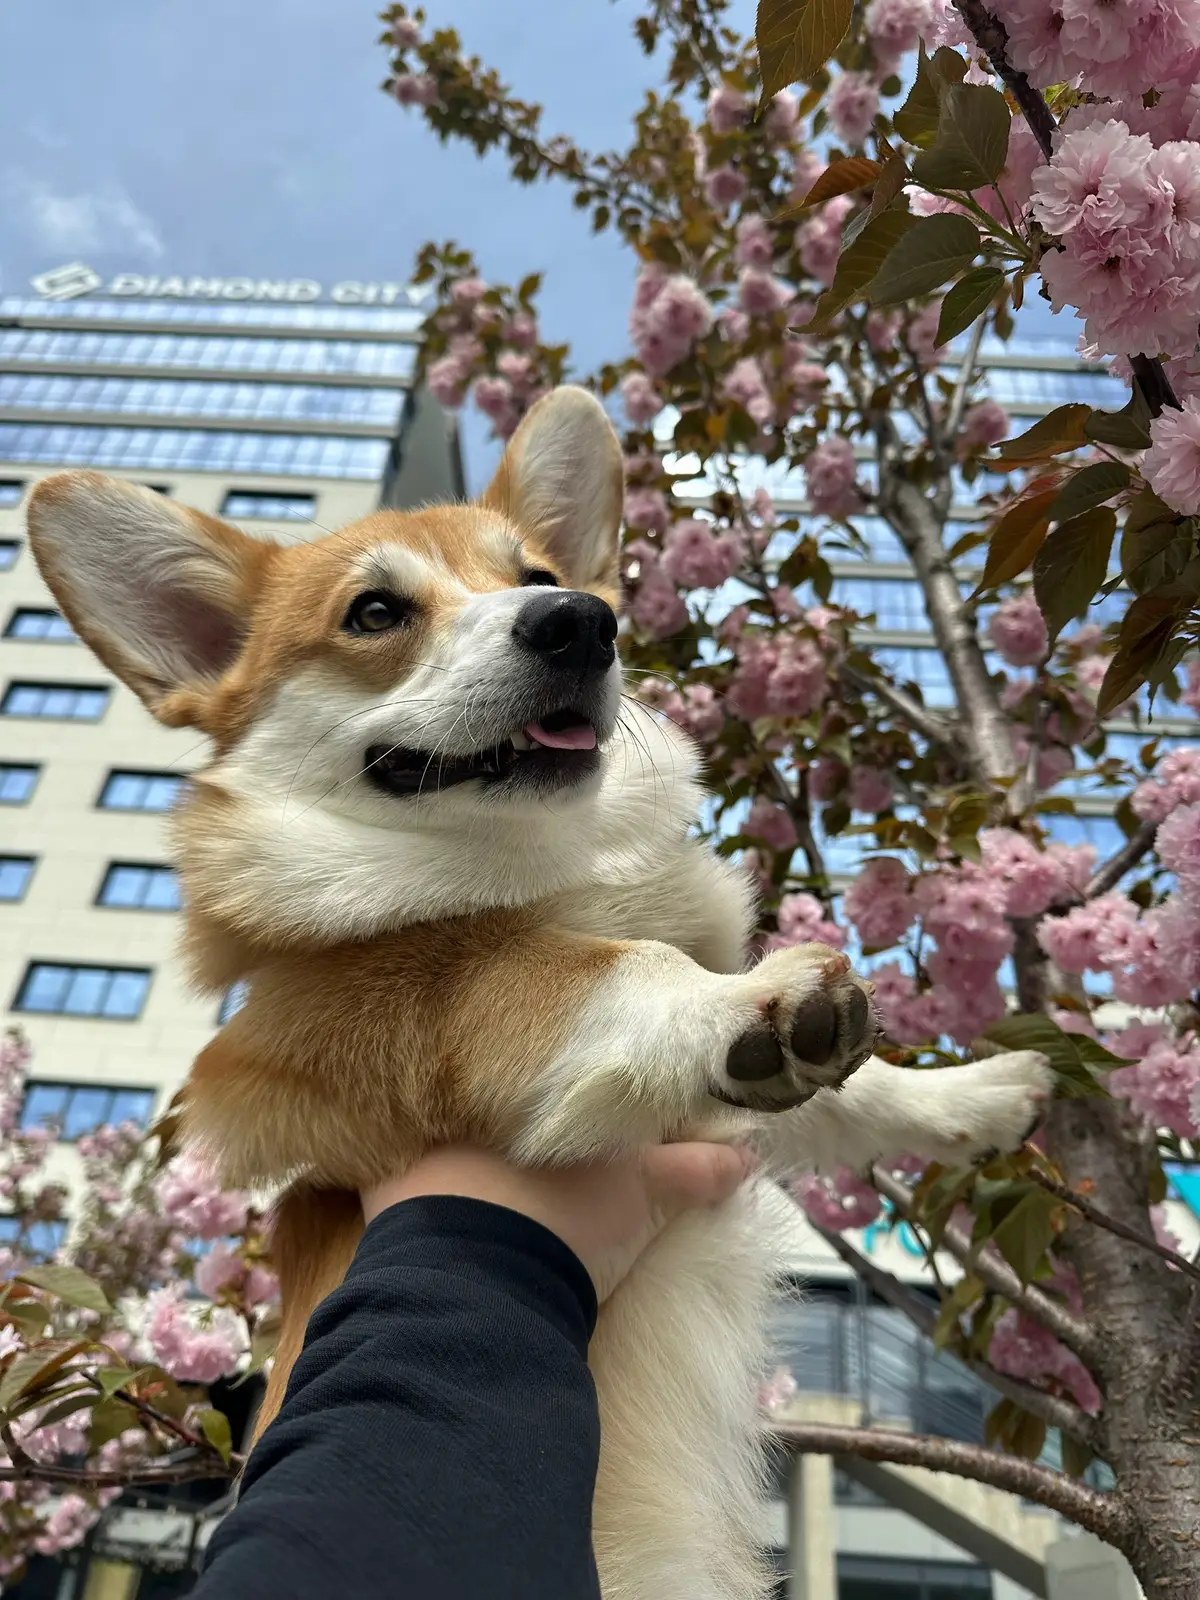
<point>520,740</point>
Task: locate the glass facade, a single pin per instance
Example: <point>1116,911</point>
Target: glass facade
<point>216,353</point>
<point>169,397</point>
<point>73,1109</point>
<point>59,702</point>
<point>245,505</point>
<point>128,886</point>
<point>1030,389</point>
<point>194,450</point>
<point>139,791</point>
<point>225,314</point>
<point>11,490</point>
<point>65,990</point>
<point>34,622</point>
<point>15,873</point>
<point>17,783</point>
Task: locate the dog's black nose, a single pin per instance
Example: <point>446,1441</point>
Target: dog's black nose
<point>568,630</point>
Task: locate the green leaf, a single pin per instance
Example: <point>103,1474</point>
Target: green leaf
<point>1147,631</point>
<point>890,183</point>
<point>841,177</point>
<point>1026,1233</point>
<point>1071,565</point>
<point>1027,1437</point>
<point>1016,539</point>
<point>111,1379</point>
<point>109,1420</point>
<point>970,296</point>
<point>1036,1031</point>
<point>917,118</point>
<point>78,1400</point>
<point>972,140</point>
<point>1155,545</point>
<point>930,251</point>
<point>1090,486</point>
<point>30,1370</point>
<point>1127,429</point>
<point>963,1295</point>
<point>1097,1055</point>
<point>214,1425</point>
<point>859,262</point>
<point>1059,430</point>
<point>1076,1456</point>
<point>796,38</point>
<point>72,1286</point>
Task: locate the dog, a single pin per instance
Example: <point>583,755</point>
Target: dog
<point>455,866</point>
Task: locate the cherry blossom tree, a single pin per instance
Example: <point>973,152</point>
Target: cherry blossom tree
<point>825,224</point>
<point>109,1343</point>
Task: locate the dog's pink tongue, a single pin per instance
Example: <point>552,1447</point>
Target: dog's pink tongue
<point>582,737</point>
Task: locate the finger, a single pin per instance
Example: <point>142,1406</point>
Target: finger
<point>681,1177</point>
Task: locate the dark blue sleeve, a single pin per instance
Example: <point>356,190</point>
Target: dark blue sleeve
<point>439,1436</point>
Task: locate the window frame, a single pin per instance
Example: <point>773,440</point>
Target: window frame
<point>146,776</point>
<point>52,616</point>
<point>16,684</point>
<point>72,1086</point>
<point>153,868</point>
<point>74,968</point>
<point>7,768</point>
<point>29,862</point>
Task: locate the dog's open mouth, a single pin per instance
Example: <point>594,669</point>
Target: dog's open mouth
<point>559,749</point>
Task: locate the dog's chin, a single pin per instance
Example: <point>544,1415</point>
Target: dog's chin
<point>518,767</point>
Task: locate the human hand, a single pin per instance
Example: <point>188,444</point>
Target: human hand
<point>607,1212</point>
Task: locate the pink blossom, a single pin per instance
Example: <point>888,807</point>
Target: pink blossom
<point>724,187</point>
<point>67,1525</point>
<point>806,169</point>
<point>1171,466</point>
<point>871,789</point>
<point>899,1005</point>
<point>657,608</point>
<point>415,89</point>
<point>946,27</point>
<point>1033,879</point>
<point>647,508</point>
<point>1142,957</point>
<point>669,315</point>
<point>782,118</point>
<point>755,246</point>
<point>922,334</point>
<point>1191,691</point>
<point>733,325</point>
<point>1022,1348</point>
<point>798,680</point>
<point>746,385</point>
<point>802,920</point>
<point>760,294</point>
<point>895,28</point>
<point>826,778</point>
<point>775,1392</point>
<point>467,292</point>
<point>852,104</point>
<point>696,556</point>
<point>405,33</point>
<point>1164,1087</point>
<point>882,328</point>
<point>261,1286</point>
<point>772,824</point>
<point>879,904</point>
<point>836,1203</point>
<point>199,1351</point>
<point>217,1270</point>
<point>728,109</point>
<point>983,425</point>
<point>1073,941</point>
<point>494,397</point>
<point>1178,846</point>
<point>830,473</point>
<point>699,712</point>
<point>804,378</point>
<point>1176,782</point>
<point>447,379</point>
<point>517,367</point>
<point>819,239</point>
<point>1017,629</point>
<point>191,1197</point>
<point>522,329</point>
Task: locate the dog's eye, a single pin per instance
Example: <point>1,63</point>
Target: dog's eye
<point>376,612</point>
<point>538,575</point>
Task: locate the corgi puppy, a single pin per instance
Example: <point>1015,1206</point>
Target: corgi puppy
<point>455,865</point>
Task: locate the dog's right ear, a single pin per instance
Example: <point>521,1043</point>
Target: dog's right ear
<point>161,593</point>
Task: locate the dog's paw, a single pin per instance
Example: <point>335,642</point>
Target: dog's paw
<point>815,1024</point>
<point>991,1107</point>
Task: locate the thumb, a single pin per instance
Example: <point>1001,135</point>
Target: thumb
<point>683,1177</point>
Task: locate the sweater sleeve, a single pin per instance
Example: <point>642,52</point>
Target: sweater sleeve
<point>439,1436</point>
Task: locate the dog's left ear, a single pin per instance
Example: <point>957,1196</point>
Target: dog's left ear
<point>562,481</point>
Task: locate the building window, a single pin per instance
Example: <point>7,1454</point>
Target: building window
<point>17,783</point>
<point>60,989</point>
<point>202,397</point>
<point>132,887</point>
<point>886,1578</point>
<point>298,454</point>
<point>74,1109</point>
<point>59,702</point>
<point>10,549</point>
<point>11,490</point>
<point>15,873</point>
<point>139,791</point>
<point>234,999</point>
<point>245,504</point>
<point>40,622</point>
<point>201,353</point>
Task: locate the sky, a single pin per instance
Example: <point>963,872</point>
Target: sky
<point>250,137</point>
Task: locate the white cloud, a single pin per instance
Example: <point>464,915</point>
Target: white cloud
<point>75,224</point>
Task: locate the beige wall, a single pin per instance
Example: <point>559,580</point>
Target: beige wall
<point>74,841</point>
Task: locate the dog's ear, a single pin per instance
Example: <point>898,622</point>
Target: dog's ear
<point>161,593</point>
<point>562,481</point>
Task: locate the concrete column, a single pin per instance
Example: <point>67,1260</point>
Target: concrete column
<point>1081,1567</point>
<point>812,1530</point>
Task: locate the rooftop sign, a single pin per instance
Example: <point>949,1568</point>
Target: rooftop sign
<point>74,281</point>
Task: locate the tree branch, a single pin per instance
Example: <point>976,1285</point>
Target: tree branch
<point>1055,1413</point>
<point>1102,1514</point>
<point>993,1270</point>
<point>189,1471</point>
<point>1131,852</point>
<point>1101,1219</point>
<point>958,401</point>
<point>926,723</point>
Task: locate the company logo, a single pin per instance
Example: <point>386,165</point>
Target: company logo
<point>72,282</point>
<point>66,283</point>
